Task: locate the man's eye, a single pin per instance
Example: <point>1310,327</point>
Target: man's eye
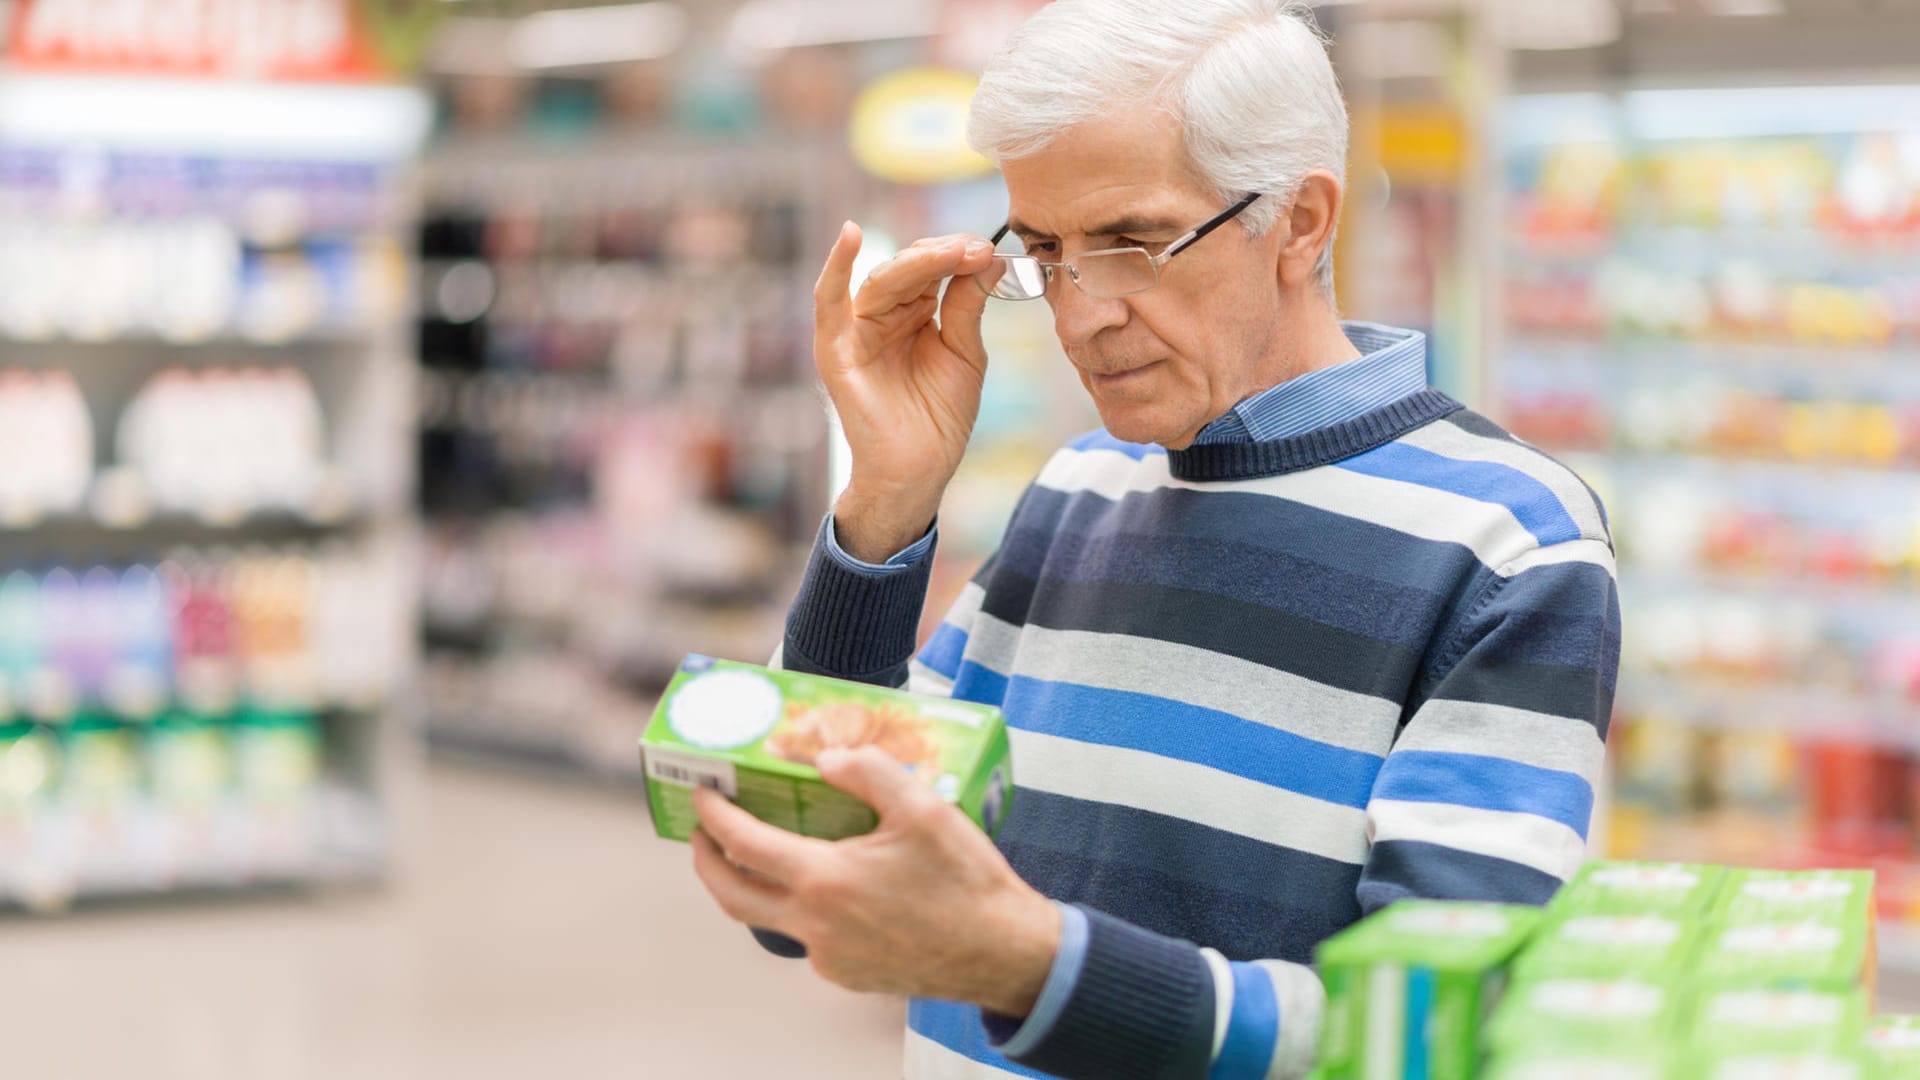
<point>1041,249</point>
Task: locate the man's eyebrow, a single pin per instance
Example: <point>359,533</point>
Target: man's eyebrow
<point>1125,225</point>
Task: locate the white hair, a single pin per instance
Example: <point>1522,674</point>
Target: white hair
<point>1248,80</point>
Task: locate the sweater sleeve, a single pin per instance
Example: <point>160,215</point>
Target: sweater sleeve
<point>1487,794</point>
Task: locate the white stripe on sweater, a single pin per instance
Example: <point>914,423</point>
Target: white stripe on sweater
<point>1527,839</point>
<point>1120,776</point>
<point>1190,675</point>
<point>1489,530</point>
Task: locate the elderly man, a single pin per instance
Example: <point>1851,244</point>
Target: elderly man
<point>1293,638</point>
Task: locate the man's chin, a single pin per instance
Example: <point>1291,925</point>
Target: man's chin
<point>1135,424</point>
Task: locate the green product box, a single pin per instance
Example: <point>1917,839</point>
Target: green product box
<point>1598,1012</point>
<point>1786,951</point>
<point>1780,1065</point>
<point>1639,1059</point>
<point>753,734</point>
<point>1893,1042</point>
<point>1776,895</point>
<point>1596,945</point>
<point>1409,988</point>
<point>1609,888</point>
<point>1779,1018</point>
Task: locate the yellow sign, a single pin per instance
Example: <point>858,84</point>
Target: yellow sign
<point>911,127</point>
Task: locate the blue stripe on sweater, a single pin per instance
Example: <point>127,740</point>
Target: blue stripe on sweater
<point>957,1027</point>
<point>1487,783</point>
<point>1100,440</point>
<point>943,650</point>
<point>1386,611</point>
<point>1245,897</point>
<point>1267,523</point>
<point>1253,1029</point>
<point>1400,869</point>
<point>1532,503</point>
<point>1167,727</point>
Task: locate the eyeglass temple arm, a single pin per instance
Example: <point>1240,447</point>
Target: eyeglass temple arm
<point>1215,222</point>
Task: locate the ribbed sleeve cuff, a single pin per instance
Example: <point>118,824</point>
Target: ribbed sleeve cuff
<point>853,624</point>
<point>1142,1007</point>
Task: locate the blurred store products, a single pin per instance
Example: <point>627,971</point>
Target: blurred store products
<point>1719,330</point>
<point>205,582</point>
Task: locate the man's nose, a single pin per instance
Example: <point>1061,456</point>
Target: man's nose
<point>1079,318</point>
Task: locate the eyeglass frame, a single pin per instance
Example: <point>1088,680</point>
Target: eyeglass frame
<point>1179,245</point>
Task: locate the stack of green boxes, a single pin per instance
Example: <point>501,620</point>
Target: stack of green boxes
<point>1636,971</point>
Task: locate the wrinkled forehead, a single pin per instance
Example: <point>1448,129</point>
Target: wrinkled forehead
<point>1123,170</point>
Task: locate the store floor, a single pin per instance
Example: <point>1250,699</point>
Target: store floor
<point>540,932</point>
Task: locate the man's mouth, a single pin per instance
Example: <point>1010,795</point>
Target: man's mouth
<point>1121,378</point>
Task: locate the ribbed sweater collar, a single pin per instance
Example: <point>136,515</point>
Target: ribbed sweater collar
<point>1323,446</point>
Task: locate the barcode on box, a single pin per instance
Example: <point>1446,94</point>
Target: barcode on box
<point>686,770</point>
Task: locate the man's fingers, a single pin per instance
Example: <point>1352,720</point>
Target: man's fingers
<point>874,777</point>
<point>909,273</point>
<point>743,897</point>
<point>963,307</point>
<point>832,292</point>
<point>751,843</point>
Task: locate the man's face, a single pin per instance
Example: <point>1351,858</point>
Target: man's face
<point>1162,364</point>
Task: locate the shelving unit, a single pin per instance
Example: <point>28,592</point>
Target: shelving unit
<point>1721,332</point>
<point>208,690</point>
<point>624,453</point>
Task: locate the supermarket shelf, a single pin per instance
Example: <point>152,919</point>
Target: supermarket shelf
<point>82,531</point>
<point>1823,715</point>
<point>1898,596</point>
<point>1764,474</point>
<point>329,338</point>
<point>1797,363</point>
<point>349,846</point>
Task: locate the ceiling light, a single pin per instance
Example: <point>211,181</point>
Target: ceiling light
<point>768,25</point>
<point>580,37</point>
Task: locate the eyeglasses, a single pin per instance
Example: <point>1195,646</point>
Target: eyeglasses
<point>1109,273</point>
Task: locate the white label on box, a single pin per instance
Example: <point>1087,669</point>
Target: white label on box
<point>1767,1008</point>
<point>1610,998</point>
<point>686,770</point>
<point>1780,938</point>
<point>1621,930</point>
<point>1646,877</point>
<point>1792,889</point>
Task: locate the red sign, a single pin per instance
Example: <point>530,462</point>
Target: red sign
<point>280,40</point>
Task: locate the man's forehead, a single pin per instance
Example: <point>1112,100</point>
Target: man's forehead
<point>1105,176</point>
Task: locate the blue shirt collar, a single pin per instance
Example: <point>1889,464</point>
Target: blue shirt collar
<point>1393,366</point>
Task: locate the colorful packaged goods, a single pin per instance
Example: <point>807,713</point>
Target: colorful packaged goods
<point>1594,944</point>
<point>754,734</point>
<point>1409,990</point>
<point>1595,1013</point>
<point>1653,887</point>
<point>1762,1018</point>
<point>1893,1042</point>
<point>1543,1060</point>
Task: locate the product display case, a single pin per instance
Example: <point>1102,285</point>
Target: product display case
<point>1712,307</point>
<point>205,571</point>
<point>623,449</point>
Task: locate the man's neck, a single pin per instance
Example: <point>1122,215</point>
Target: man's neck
<point>1322,341</point>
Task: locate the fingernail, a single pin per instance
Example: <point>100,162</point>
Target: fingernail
<point>829,759</point>
<point>978,248</point>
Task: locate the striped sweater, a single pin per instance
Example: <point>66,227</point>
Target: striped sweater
<point>1258,690</point>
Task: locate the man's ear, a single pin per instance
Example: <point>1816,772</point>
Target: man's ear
<point>1311,220</point>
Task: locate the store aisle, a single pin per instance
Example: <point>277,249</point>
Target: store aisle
<point>540,931</point>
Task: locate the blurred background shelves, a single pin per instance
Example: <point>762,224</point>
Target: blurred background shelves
<point>206,574</point>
